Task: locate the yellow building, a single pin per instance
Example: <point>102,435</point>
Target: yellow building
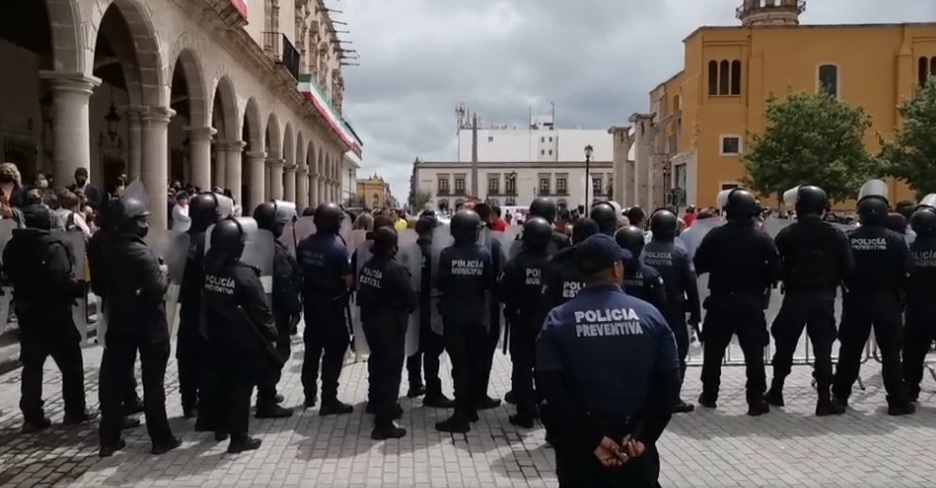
<point>701,117</point>
<point>374,192</point>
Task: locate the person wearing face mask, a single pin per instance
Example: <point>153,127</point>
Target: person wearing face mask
<point>136,317</point>
<point>81,186</point>
<point>12,197</point>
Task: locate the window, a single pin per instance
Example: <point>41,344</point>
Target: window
<point>443,185</point>
<point>550,152</point>
<point>510,184</point>
<point>550,139</point>
<point>562,186</point>
<point>724,77</point>
<point>926,69</point>
<point>828,80</point>
<point>713,78</point>
<point>490,138</point>
<point>730,145</point>
<point>494,184</point>
<point>460,185</point>
<point>596,185</point>
<point>729,186</point>
<point>544,186</point>
<point>542,139</point>
<point>542,152</point>
<point>736,77</point>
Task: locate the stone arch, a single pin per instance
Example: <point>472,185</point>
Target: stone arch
<point>147,83</point>
<point>68,53</point>
<point>289,145</point>
<point>254,124</point>
<point>198,104</point>
<point>274,137</point>
<point>301,151</point>
<point>226,117</point>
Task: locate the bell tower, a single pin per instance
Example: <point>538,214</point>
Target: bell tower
<point>770,12</point>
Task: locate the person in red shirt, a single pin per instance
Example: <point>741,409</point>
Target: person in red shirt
<point>690,216</point>
<point>497,223</point>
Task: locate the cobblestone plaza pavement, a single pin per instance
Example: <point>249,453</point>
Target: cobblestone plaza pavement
<point>719,449</point>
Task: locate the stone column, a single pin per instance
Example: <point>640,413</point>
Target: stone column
<point>320,189</point>
<point>220,162</point>
<point>155,168</point>
<point>200,158</point>
<point>302,187</point>
<point>233,170</point>
<point>289,184</point>
<point>71,124</point>
<point>255,168</point>
<point>276,178</point>
<point>135,144</point>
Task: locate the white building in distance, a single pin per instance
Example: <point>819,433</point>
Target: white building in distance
<point>515,165</point>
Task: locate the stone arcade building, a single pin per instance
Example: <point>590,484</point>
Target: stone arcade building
<point>204,91</point>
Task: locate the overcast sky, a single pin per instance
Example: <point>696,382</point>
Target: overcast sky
<point>594,58</point>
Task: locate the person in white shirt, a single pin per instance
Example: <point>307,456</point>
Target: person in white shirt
<point>70,214</point>
<point>180,214</point>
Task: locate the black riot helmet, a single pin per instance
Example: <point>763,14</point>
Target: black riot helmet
<point>811,200</point>
<point>203,209</point>
<point>583,229</point>
<point>664,225</point>
<point>265,215</point>
<point>630,238</point>
<point>385,241</point>
<point>872,211</point>
<point>741,206</point>
<point>133,214</point>
<point>328,218</point>
<point>923,222</point>
<point>537,234</point>
<point>465,226</point>
<point>543,207</point>
<point>227,240</point>
<point>606,217</point>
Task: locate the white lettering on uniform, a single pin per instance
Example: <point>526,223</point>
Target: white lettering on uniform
<point>533,277</point>
<point>607,322</point>
<point>314,259</point>
<point>467,267</point>
<point>220,284</point>
<point>658,258</point>
<point>924,259</point>
<point>570,289</point>
<point>370,277</point>
<point>868,243</point>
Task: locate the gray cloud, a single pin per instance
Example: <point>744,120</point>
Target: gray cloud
<point>596,59</point>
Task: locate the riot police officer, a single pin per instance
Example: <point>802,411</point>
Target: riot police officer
<point>816,259</point>
<point>743,264</point>
<point>431,344</point>
<point>386,296</point>
<point>135,291</point>
<point>40,266</point>
<point>680,282</point>
<point>520,288</point>
<point>464,277</point>
<point>563,280</point>
<point>545,208</point>
<point>873,299</point>
<point>239,326</point>
<point>326,277</point>
<point>607,364</point>
<point>287,308</point>
<point>640,280</point>
<point>921,308</point>
<point>606,217</point>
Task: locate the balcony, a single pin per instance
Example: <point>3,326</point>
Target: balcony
<point>444,193</point>
<point>277,46</point>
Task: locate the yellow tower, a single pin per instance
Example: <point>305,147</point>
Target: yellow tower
<point>770,12</point>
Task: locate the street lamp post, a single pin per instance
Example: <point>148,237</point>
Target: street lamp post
<point>667,198</point>
<point>588,155</point>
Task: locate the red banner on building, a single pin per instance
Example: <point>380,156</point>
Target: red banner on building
<point>241,6</point>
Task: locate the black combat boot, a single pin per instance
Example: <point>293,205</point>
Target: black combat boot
<point>774,395</point>
<point>271,410</point>
<point>243,444</point>
<point>416,390</point>
<point>36,423</point>
<point>756,405</point>
<point>80,418</point>
<point>683,407</point>
<point>708,399</point>
<point>334,406</point>
<point>826,406</point>
<point>387,429</point>
<point>456,424</point>
<point>900,407</point>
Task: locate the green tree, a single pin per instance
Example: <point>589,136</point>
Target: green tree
<point>810,138</point>
<point>911,156</point>
<point>420,201</point>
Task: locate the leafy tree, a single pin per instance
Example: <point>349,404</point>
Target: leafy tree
<point>810,138</point>
<point>421,199</point>
<point>911,156</point>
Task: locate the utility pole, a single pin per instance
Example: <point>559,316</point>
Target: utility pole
<point>474,156</point>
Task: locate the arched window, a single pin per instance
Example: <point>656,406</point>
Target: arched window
<point>933,66</point>
<point>443,205</point>
<point>736,77</point>
<point>923,70</point>
<point>724,77</point>
<point>713,78</point>
<point>828,80</point>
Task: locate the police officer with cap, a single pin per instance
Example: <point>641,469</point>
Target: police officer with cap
<point>431,344</point>
<point>640,280</point>
<point>607,363</point>
<point>604,214</point>
<point>743,264</point>
<point>816,259</point>
<point>873,299</point>
<point>520,288</point>
<point>679,279</point>
<point>274,216</point>
<point>386,296</point>
<point>465,276</point>
<point>563,279</point>
<point>240,328</point>
<point>135,293</point>
<point>326,277</point>
<point>921,309</point>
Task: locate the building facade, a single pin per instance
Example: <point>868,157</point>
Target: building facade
<point>540,142</point>
<point>350,166</point>
<point>375,193</point>
<point>689,145</point>
<point>201,91</point>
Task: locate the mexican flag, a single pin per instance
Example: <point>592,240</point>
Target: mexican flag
<point>312,92</point>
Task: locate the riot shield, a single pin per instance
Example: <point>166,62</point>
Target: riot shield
<point>873,188</point>
<point>362,247</point>
<point>773,226</point>
<point>6,233</point>
<point>721,200</point>
<point>258,249</point>
<point>928,201</point>
<point>345,230</point>
<point>441,239</point>
<point>692,237</point>
<point>76,240</point>
<point>509,241</point>
<point>410,255</point>
<point>790,196</point>
<point>137,191</point>
<point>304,227</point>
<point>286,214</point>
<point>225,206</point>
<point>172,248</point>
